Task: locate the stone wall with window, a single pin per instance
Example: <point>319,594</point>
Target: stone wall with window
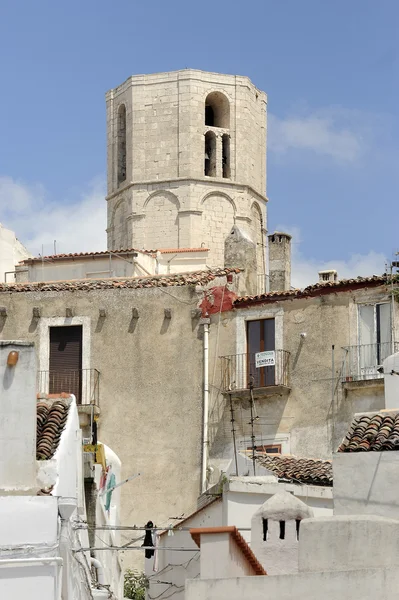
<point>186,161</point>
<point>328,342</point>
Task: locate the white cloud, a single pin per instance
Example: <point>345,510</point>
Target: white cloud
<point>77,225</point>
<point>304,271</point>
<point>334,133</point>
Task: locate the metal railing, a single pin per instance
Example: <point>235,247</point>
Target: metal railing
<point>83,383</point>
<point>364,362</point>
<point>239,371</point>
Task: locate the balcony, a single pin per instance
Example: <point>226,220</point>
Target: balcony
<point>362,363</point>
<point>240,374</point>
<point>83,383</point>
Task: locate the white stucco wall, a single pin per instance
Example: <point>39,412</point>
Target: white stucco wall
<point>366,483</point>
<point>367,584</point>
<point>17,418</point>
<point>221,557</point>
<point>111,265</point>
<point>11,252</point>
<point>391,381</point>
<point>341,543</point>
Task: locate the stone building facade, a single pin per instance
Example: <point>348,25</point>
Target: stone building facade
<point>328,343</point>
<point>139,373</point>
<point>186,161</point>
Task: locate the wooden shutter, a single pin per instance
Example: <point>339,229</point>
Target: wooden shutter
<point>66,360</point>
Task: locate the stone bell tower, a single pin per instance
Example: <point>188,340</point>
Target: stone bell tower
<point>186,161</point>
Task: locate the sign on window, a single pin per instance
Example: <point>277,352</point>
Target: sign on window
<point>265,359</point>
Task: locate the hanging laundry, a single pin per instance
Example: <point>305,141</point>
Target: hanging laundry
<point>110,485</point>
<point>148,541</point>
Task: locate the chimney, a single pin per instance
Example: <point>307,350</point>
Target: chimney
<point>329,276</point>
<point>279,261</point>
<point>240,252</point>
<point>17,417</point>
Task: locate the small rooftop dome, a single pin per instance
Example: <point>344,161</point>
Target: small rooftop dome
<point>284,507</point>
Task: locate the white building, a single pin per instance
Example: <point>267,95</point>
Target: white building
<point>352,554</point>
<point>11,253</point>
<point>236,506</point>
<point>44,537</point>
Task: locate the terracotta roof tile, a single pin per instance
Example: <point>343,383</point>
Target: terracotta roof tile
<point>238,540</point>
<point>181,250</point>
<point>102,253</point>
<point>74,255</point>
<point>51,417</point>
<point>317,289</point>
<point>176,280</point>
<point>372,432</point>
<point>309,471</point>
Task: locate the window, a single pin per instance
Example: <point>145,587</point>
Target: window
<point>260,337</point>
<point>65,369</point>
<point>210,154</point>
<point>121,144</point>
<point>267,449</point>
<point>226,156</point>
<point>217,110</point>
<point>375,337</point>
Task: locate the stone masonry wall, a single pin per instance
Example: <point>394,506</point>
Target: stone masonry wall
<point>166,200</point>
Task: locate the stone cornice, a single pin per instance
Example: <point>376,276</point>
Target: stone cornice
<point>213,182</point>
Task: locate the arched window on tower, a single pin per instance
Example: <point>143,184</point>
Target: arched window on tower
<point>210,154</point>
<point>121,144</point>
<point>226,156</point>
<point>217,110</point>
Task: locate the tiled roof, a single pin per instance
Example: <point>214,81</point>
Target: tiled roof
<point>50,422</point>
<point>317,289</point>
<point>298,470</point>
<point>376,432</point>
<point>74,255</point>
<point>236,536</point>
<point>181,250</point>
<point>176,280</point>
<point>102,253</point>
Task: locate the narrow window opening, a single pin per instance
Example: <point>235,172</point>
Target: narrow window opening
<point>217,110</point>
<point>282,530</point>
<point>265,527</point>
<point>226,156</point>
<point>121,144</point>
<point>298,524</point>
<point>210,154</point>
<point>209,116</point>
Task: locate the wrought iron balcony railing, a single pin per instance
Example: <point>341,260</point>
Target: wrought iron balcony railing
<point>239,371</point>
<point>83,383</point>
<point>364,362</point>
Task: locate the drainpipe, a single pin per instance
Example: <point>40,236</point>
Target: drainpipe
<point>169,261</point>
<point>100,570</point>
<point>66,508</point>
<point>206,404</point>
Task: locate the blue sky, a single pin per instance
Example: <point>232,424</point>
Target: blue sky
<point>331,72</point>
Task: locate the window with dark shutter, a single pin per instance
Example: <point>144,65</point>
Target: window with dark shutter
<point>66,360</point>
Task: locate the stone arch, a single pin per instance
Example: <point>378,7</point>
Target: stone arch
<point>258,236</point>
<point>218,217</point>
<point>217,110</point>
<point>222,195</point>
<point>161,222</point>
<point>119,228</point>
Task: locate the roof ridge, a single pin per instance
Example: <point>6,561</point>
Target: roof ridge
<point>159,280</point>
<point>316,288</point>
